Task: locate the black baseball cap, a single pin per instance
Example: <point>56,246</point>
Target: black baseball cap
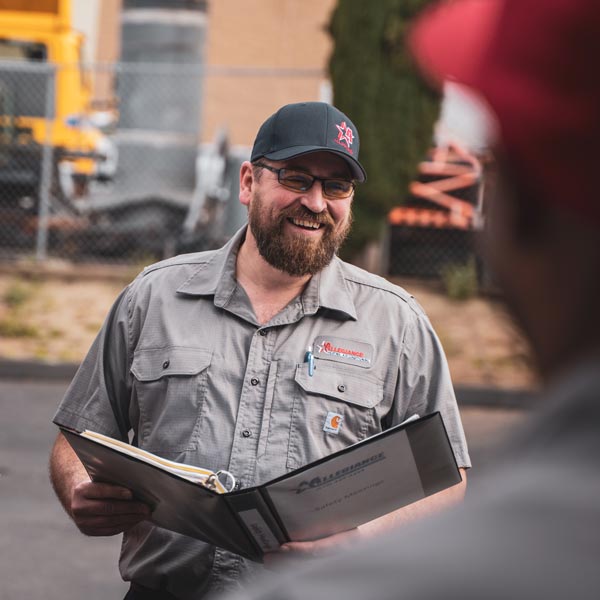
<point>305,127</point>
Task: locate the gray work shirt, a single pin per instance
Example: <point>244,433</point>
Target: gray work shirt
<point>183,366</point>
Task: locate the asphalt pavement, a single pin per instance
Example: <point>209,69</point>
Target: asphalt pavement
<point>44,557</point>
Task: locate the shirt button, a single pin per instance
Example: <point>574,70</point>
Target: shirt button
<point>254,381</point>
<point>262,332</point>
<point>341,387</point>
<point>247,433</point>
<point>166,364</point>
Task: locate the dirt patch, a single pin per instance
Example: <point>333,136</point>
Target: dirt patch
<point>55,318</point>
<point>56,321</point>
<point>481,342</point>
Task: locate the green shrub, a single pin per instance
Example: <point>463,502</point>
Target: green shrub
<point>460,280</point>
<point>13,327</point>
<point>377,85</point>
<point>17,294</point>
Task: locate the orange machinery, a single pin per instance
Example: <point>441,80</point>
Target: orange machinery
<point>448,193</point>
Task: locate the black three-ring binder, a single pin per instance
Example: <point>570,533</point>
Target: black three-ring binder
<point>346,489</point>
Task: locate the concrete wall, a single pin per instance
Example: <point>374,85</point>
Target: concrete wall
<point>99,21</point>
<point>259,55</point>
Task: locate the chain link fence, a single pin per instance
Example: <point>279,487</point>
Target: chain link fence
<point>129,181</point>
<point>427,252</point>
<point>123,182</point>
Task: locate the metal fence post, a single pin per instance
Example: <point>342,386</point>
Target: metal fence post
<point>46,172</point>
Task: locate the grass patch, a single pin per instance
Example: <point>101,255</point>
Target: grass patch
<point>13,327</point>
<point>67,356</point>
<point>460,280</point>
<point>13,324</point>
<point>41,352</point>
<point>17,294</point>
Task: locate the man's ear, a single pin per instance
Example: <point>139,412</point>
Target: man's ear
<point>246,182</point>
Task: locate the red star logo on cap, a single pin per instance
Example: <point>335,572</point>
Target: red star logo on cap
<point>345,135</point>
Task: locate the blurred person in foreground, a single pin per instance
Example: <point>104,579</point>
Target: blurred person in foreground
<point>531,527</point>
<point>201,359</point>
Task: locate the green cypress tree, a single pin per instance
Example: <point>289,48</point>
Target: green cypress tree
<point>376,83</point>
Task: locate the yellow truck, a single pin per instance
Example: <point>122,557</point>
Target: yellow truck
<point>45,100</point>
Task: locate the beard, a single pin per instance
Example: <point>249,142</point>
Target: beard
<point>296,255</point>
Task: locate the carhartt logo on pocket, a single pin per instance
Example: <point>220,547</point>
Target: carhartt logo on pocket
<point>333,422</point>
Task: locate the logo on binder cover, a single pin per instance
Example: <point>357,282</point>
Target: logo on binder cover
<point>347,471</point>
<point>333,422</point>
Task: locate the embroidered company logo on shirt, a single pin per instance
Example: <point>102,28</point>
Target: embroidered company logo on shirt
<point>346,351</point>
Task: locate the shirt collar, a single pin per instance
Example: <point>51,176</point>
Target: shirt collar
<point>327,289</point>
<point>216,277</point>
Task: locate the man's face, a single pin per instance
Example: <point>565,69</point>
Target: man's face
<point>299,232</point>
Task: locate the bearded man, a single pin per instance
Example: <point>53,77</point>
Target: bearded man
<point>202,359</point>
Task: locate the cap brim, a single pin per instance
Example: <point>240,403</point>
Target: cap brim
<point>450,39</point>
<point>358,173</point>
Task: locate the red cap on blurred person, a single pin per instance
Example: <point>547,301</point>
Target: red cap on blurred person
<point>535,62</point>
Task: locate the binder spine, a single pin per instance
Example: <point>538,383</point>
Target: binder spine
<point>433,454</point>
<point>277,522</point>
<point>257,519</point>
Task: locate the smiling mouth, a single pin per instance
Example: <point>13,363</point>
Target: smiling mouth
<point>304,224</point>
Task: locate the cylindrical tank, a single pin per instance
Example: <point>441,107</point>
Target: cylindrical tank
<point>160,91</point>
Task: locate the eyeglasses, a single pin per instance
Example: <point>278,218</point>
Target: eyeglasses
<point>334,189</point>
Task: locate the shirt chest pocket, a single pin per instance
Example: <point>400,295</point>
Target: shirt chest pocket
<point>333,408</point>
<point>170,389</point>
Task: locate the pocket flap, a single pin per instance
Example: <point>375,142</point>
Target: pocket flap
<point>155,363</point>
<point>354,388</point>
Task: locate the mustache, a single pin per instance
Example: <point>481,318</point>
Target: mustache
<point>301,212</point>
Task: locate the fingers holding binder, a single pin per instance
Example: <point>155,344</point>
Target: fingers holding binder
<point>312,549</point>
<point>101,509</point>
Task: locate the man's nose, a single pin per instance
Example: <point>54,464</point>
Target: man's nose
<point>314,199</point>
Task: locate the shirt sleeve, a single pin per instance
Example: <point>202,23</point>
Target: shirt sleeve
<point>424,384</point>
<point>99,395</point>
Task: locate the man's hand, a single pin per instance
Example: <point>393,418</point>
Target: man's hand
<point>314,549</point>
<point>96,508</point>
<point>104,509</point>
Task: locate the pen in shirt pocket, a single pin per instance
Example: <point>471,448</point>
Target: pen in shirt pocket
<point>310,359</point>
